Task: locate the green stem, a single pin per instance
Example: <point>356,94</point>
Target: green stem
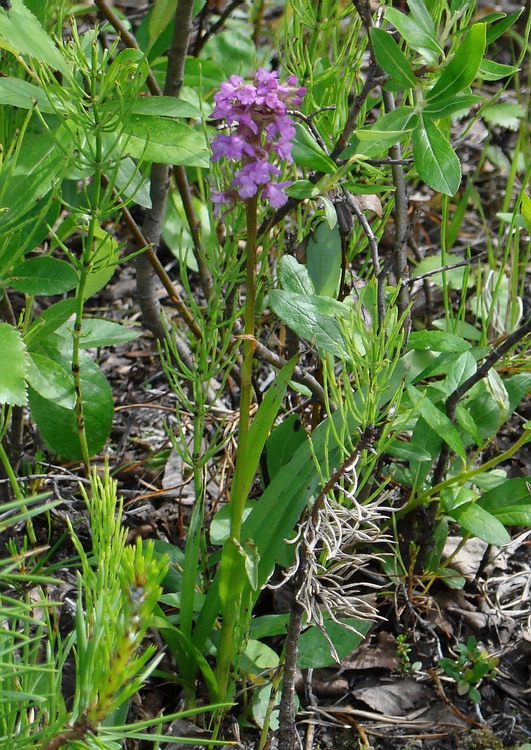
<point>16,491</point>
<point>86,263</point>
<point>232,563</point>
<point>465,475</point>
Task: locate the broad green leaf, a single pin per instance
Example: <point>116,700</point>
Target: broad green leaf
<point>486,414</point>
<point>314,648</point>
<point>399,122</point>
<point>511,492</point>
<point>50,320</point>
<point>481,524</point>
<point>435,159</point>
<point>219,529</point>
<point>518,386</point>
<point>463,67</point>
<point>506,114</point>
<point>421,15</point>
<point>106,258</point>
<point>131,183</point>
<point>414,34</point>
<point>323,259</point>
<point>308,153</point>
<point>13,377</point>
<point>437,420</point>
<point>449,105</point>
<point>438,341</point>
<point>160,17</point>
<point>43,275</point>
<point>162,140</point>
<point>51,381</point>
<point>58,425</point>
<point>233,50</point>
<point>391,58</point>
<point>282,444</point>
<point>40,166</point>
<point>35,229</point>
<point>293,276</point>
<point>497,29</point>
<point>462,369</point>
<point>96,333</point>
<point>165,106</point>
<point>205,74</point>
<point>23,31</point>
<point>311,317</point>
<point>16,92</point>
<point>459,327</point>
<point>408,451</point>
<point>263,422</point>
<point>493,71</point>
<point>301,189</point>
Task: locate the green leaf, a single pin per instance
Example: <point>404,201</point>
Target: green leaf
<point>414,34</point>
<point>95,333</point>
<point>518,386</point>
<point>106,258</point>
<point>12,378</point>
<point>323,259</point>
<point>51,381</point>
<point>438,421</point>
<point>481,524</point>
<point>463,67</point>
<point>165,106</point>
<point>421,15</point>
<point>23,31</point>
<point>509,502</point>
<point>435,550</point>
<point>400,121</point>
<point>50,320</point>
<point>497,29</point>
<point>506,115</point>
<point>493,71</point>
<point>391,58</point>
<point>263,422</point>
<point>219,530</point>
<point>435,159</point>
<point>293,276</point>
<point>282,444</point>
<point>438,341</point>
<point>461,327</point>
<point>526,211</point>
<point>408,451</point>
<point>310,316</point>
<point>16,92</point>
<point>302,189</point>
<point>314,648</point>
<point>160,17</point>
<point>43,275</point>
<point>448,106</point>
<point>58,425</point>
<point>462,369</point>
<point>308,153</point>
<point>165,141</point>
<point>203,75</point>
<point>454,278</point>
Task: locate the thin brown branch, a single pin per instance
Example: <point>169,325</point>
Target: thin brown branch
<point>201,41</point>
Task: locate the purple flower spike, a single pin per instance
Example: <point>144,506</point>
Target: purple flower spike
<point>261,135</point>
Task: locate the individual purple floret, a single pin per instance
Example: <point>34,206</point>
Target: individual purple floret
<point>261,135</point>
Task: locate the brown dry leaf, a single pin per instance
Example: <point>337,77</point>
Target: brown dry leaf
<point>395,698</point>
<point>379,655</point>
<point>370,202</point>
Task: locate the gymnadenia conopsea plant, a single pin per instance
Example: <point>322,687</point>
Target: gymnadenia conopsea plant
<point>257,143</point>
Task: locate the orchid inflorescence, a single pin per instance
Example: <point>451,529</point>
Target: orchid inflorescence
<point>261,133</point>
